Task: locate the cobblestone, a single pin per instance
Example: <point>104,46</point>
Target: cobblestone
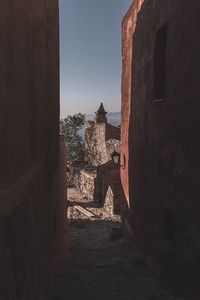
<point>99,267</point>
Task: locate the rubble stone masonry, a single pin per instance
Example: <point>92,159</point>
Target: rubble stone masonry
<point>88,183</point>
<point>100,141</point>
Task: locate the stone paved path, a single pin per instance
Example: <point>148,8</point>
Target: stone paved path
<point>102,266</point>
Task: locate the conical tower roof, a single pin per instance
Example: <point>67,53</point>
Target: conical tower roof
<point>101,114</point>
<point>101,109</point>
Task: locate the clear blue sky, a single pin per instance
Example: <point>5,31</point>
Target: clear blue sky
<point>90,45</point>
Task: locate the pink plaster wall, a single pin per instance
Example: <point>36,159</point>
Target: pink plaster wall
<point>32,168</point>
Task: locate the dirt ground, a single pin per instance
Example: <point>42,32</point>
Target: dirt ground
<point>103,265</point>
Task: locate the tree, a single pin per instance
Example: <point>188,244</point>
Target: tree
<point>71,128</point>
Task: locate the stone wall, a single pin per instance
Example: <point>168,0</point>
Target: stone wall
<point>160,139</point>
<point>95,148</point>
<point>109,200</point>
<point>31,176</point>
<point>76,172</point>
<point>100,141</point>
<point>88,183</point>
<point>111,145</point>
<point>108,187</point>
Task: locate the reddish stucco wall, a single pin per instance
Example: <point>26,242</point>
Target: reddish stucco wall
<point>161,140</point>
<point>29,86</point>
<point>31,172</point>
<point>128,28</point>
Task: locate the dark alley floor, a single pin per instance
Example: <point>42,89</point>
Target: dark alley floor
<point>100,264</point>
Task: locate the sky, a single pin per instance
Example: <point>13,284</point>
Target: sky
<point>90,54</point>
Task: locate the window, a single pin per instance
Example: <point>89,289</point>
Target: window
<point>160,63</point>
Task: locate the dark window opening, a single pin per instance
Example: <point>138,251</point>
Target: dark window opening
<point>168,226</point>
<point>160,63</point>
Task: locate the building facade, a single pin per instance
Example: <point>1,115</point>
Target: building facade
<point>32,190</point>
<point>160,130</point>
<point>98,178</point>
<point>101,139</point>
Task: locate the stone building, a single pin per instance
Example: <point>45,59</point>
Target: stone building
<point>32,165</point>
<point>101,139</point>
<point>160,132</point>
<point>108,187</point>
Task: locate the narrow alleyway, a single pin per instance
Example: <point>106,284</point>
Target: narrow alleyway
<point>102,265</point>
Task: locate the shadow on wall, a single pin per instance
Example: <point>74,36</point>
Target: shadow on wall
<point>33,235</point>
<point>163,136</point>
<point>108,187</point>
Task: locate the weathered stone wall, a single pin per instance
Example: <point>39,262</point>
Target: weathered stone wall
<point>112,132</point>
<point>111,145</point>
<point>100,141</point>
<point>88,184</point>
<point>76,169</point>
<point>95,148</point>
<point>109,200</point>
<point>108,187</point>
<point>161,139</point>
<point>30,175</point>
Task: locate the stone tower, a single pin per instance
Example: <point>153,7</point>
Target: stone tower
<point>101,115</point>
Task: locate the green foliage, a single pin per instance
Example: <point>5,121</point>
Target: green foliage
<point>70,127</point>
